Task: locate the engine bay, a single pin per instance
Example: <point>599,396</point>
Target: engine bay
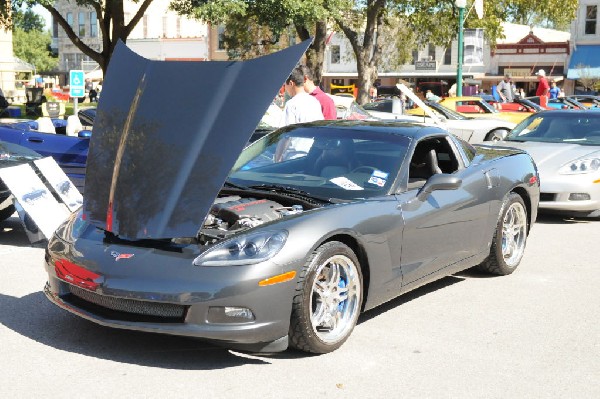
<point>230,214</point>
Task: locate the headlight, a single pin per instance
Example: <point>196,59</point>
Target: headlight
<point>72,228</point>
<point>580,166</point>
<point>244,250</point>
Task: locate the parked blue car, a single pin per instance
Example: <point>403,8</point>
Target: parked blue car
<point>70,152</point>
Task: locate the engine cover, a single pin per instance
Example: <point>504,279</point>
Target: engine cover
<point>232,211</point>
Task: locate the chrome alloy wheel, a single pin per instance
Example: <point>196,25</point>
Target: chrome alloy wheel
<point>514,234</point>
<point>335,298</point>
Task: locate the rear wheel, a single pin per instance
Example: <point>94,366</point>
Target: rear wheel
<point>496,135</point>
<point>510,237</point>
<point>327,301</point>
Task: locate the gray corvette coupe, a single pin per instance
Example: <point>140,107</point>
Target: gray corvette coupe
<point>285,243</point>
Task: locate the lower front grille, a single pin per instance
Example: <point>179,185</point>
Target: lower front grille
<point>125,309</point>
<point>547,197</point>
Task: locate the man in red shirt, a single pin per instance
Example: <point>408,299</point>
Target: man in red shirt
<point>327,105</point>
<point>543,86</point>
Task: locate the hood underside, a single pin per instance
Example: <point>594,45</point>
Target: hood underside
<point>166,135</point>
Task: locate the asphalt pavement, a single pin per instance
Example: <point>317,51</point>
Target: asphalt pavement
<point>533,334</point>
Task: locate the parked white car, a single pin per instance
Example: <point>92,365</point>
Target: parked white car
<point>469,129</point>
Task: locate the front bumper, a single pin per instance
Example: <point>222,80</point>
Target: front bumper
<point>127,293</point>
<point>563,193</point>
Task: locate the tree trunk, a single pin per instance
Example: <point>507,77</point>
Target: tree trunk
<point>111,20</point>
<point>367,52</point>
<point>315,55</point>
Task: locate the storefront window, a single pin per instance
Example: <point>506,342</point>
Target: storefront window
<point>590,20</point>
<point>335,54</point>
<point>93,24</point>
<point>81,22</point>
<point>448,56</point>
<point>431,52</point>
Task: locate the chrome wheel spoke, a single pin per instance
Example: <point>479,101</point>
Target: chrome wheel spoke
<point>335,296</point>
<point>514,229</point>
<point>334,275</point>
<point>318,317</point>
<point>320,288</point>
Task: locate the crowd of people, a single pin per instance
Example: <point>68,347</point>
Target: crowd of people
<point>507,90</point>
<point>307,102</point>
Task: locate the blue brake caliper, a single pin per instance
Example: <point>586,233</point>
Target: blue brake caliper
<point>342,284</point>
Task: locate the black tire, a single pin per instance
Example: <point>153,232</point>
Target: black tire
<point>332,300</point>
<point>510,238</point>
<point>496,135</point>
<point>7,212</point>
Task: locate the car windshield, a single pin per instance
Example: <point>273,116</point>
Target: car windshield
<point>446,112</point>
<point>323,161</point>
<point>564,127</point>
<point>475,106</point>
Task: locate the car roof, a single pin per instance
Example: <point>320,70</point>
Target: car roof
<point>409,129</point>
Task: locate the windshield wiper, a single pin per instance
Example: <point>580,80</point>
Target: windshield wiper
<point>291,190</point>
<point>233,185</point>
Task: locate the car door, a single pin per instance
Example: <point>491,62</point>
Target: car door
<point>448,226</point>
<point>69,152</point>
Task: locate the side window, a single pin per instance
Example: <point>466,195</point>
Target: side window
<point>466,149</point>
<point>431,156</point>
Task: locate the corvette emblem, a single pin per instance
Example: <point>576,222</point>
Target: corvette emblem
<point>119,256</point>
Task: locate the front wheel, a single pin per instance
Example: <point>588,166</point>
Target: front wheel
<point>510,237</point>
<point>328,299</point>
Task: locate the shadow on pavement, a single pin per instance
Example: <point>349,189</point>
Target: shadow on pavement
<point>33,316</point>
<point>12,233</point>
<point>409,296</point>
<point>545,218</point>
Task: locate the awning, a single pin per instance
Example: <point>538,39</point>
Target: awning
<point>585,61</point>
<point>417,74</point>
<point>95,75</point>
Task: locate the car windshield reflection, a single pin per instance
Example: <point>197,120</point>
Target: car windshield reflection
<point>323,161</point>
<point>564,127</point>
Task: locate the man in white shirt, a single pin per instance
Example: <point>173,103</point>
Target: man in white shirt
<point>302,107</point>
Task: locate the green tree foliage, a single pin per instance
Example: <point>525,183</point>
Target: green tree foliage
<point>554,14</point>
<point>258,27</point>
<point>28,20</point>
<point>34,47</point>
<point>111,21</point>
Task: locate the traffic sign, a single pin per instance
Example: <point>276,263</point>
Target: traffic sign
<point>76,83</point>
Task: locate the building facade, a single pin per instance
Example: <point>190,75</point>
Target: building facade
<point>161,34</point>
<point>522,53</point>
<point>429,64</point>
<point>7,72</point>
<point>584,63</point>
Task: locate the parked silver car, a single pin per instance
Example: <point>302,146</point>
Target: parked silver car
<point>565,145</point>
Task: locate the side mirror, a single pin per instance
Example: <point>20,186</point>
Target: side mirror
<point>84,134</point>
<point>437,182</point>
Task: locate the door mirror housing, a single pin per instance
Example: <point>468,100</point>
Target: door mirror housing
<point>437,182</point>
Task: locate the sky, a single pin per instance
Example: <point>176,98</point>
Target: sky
<point>44,13</point>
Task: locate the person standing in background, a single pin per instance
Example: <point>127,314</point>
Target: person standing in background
<point>327,106</point>
<point>505,89</point>
<point>301,107</point>
<point>554,90</point>
<point>543,86</point>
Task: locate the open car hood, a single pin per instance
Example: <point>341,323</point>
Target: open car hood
<point>166,135</point>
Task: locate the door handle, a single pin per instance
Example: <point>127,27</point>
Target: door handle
<point>35,140</point>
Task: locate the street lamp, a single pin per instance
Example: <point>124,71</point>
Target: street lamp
<point>460,4</point>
